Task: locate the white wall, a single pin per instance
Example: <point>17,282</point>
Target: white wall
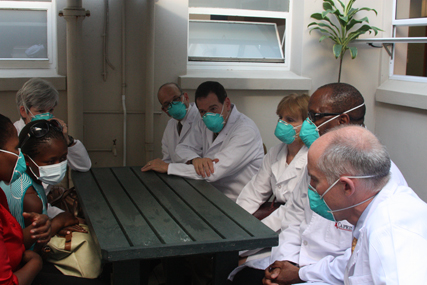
<point>400,128</point>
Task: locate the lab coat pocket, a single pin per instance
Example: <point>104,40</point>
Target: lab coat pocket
<point>364,279</point>
<point>340,235</point>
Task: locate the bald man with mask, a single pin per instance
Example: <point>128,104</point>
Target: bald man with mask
<point>176,104</point>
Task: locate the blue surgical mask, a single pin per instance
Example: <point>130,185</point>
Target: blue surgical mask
<point>44,116</point>
<point>213,121</point>
<point>177,110</point>
<point>51,174</point>
<point>285,132</point>
<point>319,206</point>
<point>310,132</point>
<point>20,166</point>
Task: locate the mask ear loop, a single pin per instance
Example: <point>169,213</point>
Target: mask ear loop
<point>348,111</point>
<point>28,109</point>
<point>32,169</point>
<point>297,134</point>
<point>227,115</point>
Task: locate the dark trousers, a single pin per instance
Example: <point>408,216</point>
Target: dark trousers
<point>248,276</point>
<point>50,275</point>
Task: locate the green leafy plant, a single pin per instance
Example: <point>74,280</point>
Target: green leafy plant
<point>341,27</point>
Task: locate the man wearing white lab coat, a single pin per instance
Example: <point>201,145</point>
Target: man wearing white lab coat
<point>224,148</point>
<point>390,236</point>
<point>318,246</point>
<point>180,124</point>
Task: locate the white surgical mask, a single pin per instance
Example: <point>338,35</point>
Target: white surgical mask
<point>51,174</point>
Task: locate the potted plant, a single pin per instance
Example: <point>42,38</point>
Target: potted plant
<point>341,27</point>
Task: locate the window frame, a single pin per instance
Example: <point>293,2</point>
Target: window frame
<point>409,23</point>
<point>31,63</point>
<point>287,16</point>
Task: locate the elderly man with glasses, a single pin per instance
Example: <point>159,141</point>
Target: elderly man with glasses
<point>176,104</point>
<point>350,180</point>
<point>311,247</point>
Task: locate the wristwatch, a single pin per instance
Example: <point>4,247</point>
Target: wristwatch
<point>71,140</point>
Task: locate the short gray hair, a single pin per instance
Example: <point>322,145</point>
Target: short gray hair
<point>38,93</point>
<point>356,154</point>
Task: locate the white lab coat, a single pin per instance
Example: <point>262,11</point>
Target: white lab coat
<point>238,148</point>
<point>277,178</point>
<point>392,240</point>
<point>316,244</point>
<point>320,247</point>
<point>78,158</point>
<point>170,136</point>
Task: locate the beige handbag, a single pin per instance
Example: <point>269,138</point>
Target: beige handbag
<point>75,254</point>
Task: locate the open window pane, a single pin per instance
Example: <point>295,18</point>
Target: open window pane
<point>264,5</point>
<point>410,9</point>
<point>410,59</point>
<point>234,41</point>
<point>23,34</point>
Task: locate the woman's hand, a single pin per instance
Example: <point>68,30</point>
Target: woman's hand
<point>62,221</point>
<point>73,228</point>
<point>39,230</point>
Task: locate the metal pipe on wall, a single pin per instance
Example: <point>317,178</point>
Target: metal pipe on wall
<point>124,82</point>
<point>149,90</point>
<point>74,14</point>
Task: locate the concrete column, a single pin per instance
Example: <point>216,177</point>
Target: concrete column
<point>149,90</point>
<point>74,14</point>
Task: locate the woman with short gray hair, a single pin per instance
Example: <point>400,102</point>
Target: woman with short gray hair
<point>36,100</point>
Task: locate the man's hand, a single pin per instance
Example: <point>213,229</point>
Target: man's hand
<point>204,166</point>
<point>157,165</point>
<point>282,273</point>
<point>40,227</point>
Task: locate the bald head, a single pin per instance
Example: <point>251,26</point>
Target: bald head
<point>354,151</point>
<point>170,92</point>
<point>168,88</point>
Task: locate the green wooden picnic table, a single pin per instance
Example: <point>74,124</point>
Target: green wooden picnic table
<point>135,216</point>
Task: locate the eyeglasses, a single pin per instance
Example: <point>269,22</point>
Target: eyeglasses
<point>316,116</point>
<point>41,128</point>
<point>177,98</point>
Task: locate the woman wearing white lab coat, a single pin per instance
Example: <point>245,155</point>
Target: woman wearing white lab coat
<point>283,167</point>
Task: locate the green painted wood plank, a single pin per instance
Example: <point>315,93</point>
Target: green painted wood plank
<point>209,212</point>
<point>97,212</point>
<point>157,217</point>
<point>203,247</point>
<point>193,225</point>
<point>132,222</point>
<point>238,214</point>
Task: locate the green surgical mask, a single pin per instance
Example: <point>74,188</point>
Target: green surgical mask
<point>214,121</point>
<point>285,132</point>
<point>310,132</point>
<point>177,110</point>
<point>44,116</point>
<point>319,206</point>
